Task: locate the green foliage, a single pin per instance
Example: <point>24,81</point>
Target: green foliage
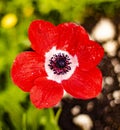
<point>71,10</point>
<point>16,111</point>
<point>17,114</point>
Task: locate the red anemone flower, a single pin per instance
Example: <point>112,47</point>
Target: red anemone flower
<point>64,58</point>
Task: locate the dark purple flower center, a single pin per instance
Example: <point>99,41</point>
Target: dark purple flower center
<point>60,63</point>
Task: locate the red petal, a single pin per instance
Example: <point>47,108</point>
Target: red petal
<point>84,85</point>
<point>71,36</point>
<point>46,93</point>
<point>26,68</point>
<point>43,36</point>
<point>89,55</point>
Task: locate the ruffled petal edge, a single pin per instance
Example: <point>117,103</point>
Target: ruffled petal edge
<point>46,93</point>
<point>84,85</point>
<point>26,68</point>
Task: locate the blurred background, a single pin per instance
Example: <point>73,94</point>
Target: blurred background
<point>101,18</point>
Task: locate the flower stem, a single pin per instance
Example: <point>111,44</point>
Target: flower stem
<point>24,121</point>
<point>58,114</point>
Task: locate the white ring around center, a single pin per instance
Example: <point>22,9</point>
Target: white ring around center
<point>50,73</point>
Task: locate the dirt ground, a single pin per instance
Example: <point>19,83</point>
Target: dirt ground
<point>104,111</point>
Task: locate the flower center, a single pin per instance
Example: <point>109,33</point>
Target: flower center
<point>60,63</point>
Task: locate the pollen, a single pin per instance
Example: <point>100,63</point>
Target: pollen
<point>60,63</point>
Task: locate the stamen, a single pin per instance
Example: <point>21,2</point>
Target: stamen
<point>60,63</point>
